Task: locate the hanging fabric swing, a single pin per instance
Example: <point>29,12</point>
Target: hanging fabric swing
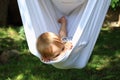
<point>85,18</point>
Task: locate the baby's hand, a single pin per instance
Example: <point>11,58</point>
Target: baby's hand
<point>68,45</point>
<point>62,20</point>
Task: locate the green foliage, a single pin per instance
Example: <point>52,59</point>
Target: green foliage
<point>22,43</point>
<point>21,33</point>
<point>11,38</point>
<point>115,3</point>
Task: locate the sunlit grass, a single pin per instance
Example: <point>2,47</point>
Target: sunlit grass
<point>107,50</point>
<point>13,36</point>
<point>8,32</point>
<point>11,33</point>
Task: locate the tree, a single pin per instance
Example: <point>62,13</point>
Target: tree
<point>3,12</point>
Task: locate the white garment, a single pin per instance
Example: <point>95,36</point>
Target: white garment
<point>67,6</point>
<point>84,23</point>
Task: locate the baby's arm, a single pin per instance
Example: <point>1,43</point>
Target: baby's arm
<point>63,28</point>
<point>63,32</point>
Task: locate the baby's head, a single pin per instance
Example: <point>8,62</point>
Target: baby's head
<point>49,45</point>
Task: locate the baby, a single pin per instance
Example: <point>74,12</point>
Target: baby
<point>51,46</point>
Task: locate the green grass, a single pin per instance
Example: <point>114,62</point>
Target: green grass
<point>103,64</point>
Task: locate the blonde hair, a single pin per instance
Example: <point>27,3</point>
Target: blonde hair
<point>44,42</point>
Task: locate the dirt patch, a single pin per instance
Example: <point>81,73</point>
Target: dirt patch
<point>112,18</point>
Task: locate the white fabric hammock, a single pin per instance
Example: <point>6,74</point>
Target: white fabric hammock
<point>85,18</point>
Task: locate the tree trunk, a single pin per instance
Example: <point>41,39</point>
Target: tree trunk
<point>3,12</point>
<point>14,17</point>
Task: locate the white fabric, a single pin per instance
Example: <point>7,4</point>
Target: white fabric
<point>84,23</point>
<point>67,6</point>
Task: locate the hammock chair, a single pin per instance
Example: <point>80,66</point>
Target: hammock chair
<point>85,18</point>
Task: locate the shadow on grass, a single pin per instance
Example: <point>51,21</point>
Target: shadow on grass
<point>103,65</point>
<point>5,44</point>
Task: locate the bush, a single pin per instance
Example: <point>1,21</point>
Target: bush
<point>115,3</point>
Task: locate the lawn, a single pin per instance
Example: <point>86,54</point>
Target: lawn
<point>103,64</point>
